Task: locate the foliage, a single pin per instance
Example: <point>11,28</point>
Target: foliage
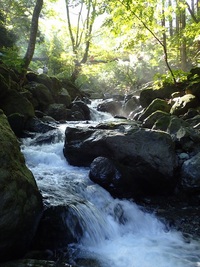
<point>162,79</point>
<point>115,76</point>
<point>11,58</point>
<point>127,30</point>
<point>7,37</point>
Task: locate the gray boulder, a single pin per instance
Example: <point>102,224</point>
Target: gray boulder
<point>57,111</point>
<point>80,111</point>
<point>111,106</point>
<point>146,158</point>
<point>155,105</point>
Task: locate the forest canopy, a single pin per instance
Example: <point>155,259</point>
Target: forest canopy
<point>102,44</point>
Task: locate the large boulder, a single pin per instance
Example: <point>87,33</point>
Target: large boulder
<point>145,157</point>
<point>60,225</point>
<point>111,106</point>
<point>72,89</point>
<point>131,105</point>
<point>80,111</point>
<point>21,202</point>
<point>64,97</point>
<point>14,102</point>
<point>156,104</point>
<point>156,116</point>
<point>42,96</point>
<point>148,94</point>
<point>57,111</point>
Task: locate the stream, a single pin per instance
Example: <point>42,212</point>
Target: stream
<point>117,233</point>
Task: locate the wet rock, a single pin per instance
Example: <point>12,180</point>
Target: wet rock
<point>80,111</point>
<point>190,174</point>
<point>38,126</point>
<point>59,226</point>
<point>4,86</point>
<point>17,122</point>
<point>144,168</point>
<point>131,105</point>
<point>111,106</point>
<point>104,172</point>
<point>35,263</point>
<point>184,136</point>
<point>21,202</point>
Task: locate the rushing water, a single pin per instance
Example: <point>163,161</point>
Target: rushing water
<point>117,233</point>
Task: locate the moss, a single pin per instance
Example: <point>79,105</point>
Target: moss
<point>156,104</point>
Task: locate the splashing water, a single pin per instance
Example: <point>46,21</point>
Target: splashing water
<point>117,233</point>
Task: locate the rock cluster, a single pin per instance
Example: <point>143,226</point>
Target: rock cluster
<point>40,96</point>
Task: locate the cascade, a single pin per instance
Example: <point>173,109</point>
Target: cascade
<point>117,233</point>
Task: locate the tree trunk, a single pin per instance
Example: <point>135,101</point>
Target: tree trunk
<point>33,34</point>
<point>171,31</point>
<point>183,47</point>
<point>82,36</point>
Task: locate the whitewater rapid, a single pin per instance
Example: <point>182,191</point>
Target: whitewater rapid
<point>117,233</point>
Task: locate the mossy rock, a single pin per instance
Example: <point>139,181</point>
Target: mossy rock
<point>5,73</point>
<point>194,88</point>
<point>56,86</point>
<point>149,94</point>
<point>21,202</point>
<point>156,104</point>
<point>72,89</point>
<point>64,97</point>
<point>14,102</point>
<point>45,80</point>
<point>183,104</point>
<point>17,122</point>
<point>41,94</point>
<point>162,123</point>
<point>57,111</point>
<point>4,86</point>
<point>152,119</point>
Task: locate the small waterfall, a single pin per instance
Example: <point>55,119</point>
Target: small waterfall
<point>97,116</point>
<point>93,222</point>
<point>117,233</point>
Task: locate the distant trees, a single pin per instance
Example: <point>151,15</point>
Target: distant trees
<point>80,31</point>
<point>154,31</point>
<point>7,37</point>
<point>173,24</point>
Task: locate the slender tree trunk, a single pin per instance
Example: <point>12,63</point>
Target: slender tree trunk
<point>163,22</point>
<point>85,33</point>
<point>183,48</point>
<point>33,34</point>
<point>171,32</point>
<point>177,31</point>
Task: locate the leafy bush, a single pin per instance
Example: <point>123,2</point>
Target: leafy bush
<point>10,57</point>
<point>161,79</point>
